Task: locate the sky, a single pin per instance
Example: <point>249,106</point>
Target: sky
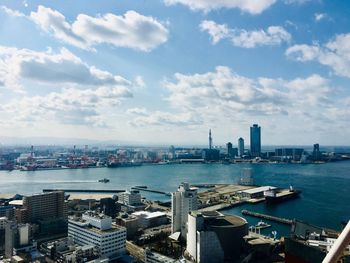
<point>167,71</point>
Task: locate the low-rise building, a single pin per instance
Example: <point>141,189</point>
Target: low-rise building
<point>150,219</point>
<point>257,192</point>
<point>97,229</point>
<point>132,198</point>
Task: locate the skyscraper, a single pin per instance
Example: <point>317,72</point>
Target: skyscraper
<point>183,201</point>
<point>255,140</point>
<point>240,147</point>
<point>210,140</point>
<point>229,150</point>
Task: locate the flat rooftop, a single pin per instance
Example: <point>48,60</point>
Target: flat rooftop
<point>259,189</point>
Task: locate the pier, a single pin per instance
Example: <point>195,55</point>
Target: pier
<point>150,190</point>
<point>268,217</point>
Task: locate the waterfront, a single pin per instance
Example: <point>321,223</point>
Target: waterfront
<point>324,201</point>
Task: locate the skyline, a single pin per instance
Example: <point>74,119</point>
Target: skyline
<point>167,73</point>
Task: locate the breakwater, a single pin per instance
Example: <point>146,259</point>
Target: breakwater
<point>268,217</point>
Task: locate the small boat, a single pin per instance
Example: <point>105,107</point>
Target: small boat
<point>104,180</point>
<point>262,224</point>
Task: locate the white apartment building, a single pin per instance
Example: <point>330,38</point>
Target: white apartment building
<point>98,230</point>
<point>130,198</point>
<point>183,201</point>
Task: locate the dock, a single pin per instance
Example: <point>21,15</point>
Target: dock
<point>268,217</point>
<point>150,190</point>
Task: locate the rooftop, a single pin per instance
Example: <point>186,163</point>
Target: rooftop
<point>149,215</point>
<point>258,189</point>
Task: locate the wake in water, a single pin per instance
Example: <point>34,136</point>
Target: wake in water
<point>64,182</point>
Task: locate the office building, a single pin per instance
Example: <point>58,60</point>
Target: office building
<point>183,201</point>
<point>150,219</point>
<point>98,230</point>
<point>316,155</point>
<point>214,238</point>
<point>284,154</point>
<point>210,141</point>
<point>230,151</point>
<point>240,147</point>
<point>255,140</point>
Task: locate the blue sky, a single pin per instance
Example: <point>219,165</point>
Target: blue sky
<point>165,72</point>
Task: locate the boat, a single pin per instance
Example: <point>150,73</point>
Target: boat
<point>104,180</point>
<point>272,196</point>
<point>261,225</point>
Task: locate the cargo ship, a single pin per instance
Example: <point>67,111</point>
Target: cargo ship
<point>273,196</point>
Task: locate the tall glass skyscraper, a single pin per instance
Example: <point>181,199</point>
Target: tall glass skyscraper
<point>255,140</point>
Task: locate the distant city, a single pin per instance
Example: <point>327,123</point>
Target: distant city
<point>60,157</point>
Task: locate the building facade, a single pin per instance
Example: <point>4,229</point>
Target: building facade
<point>183,201</point>
<point>98,230</point>
<point>240,147</point>
<point>255,140</point>
<point>214,238</point>
<point>130,198</point>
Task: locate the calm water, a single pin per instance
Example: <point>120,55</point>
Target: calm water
<point>325,198</point>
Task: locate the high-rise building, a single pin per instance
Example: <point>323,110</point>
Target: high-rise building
<point>214,237</point>
<point>255,140</point>
<point>240,147</point>
<point>43,206</point>
<point>98,230</point>
<point>316,152</point>
<point>210,141</point>
<point>183,201</point>
<point>48,210</point>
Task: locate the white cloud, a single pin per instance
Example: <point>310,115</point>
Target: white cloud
<point>223,96</point>
<point>132,30</point>
<point>88,95</point>
<point>140,83</point>
<point>249,6</point>
<point>71,106</point>
<point>53,69</point>
<point>159,118</point>
<point>11,12</point>
<point>274,35</point>
<point>320,16</point>
<point>137,111</point>
<point>334,54</point>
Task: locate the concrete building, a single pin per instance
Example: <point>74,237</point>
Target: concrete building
<point>16,236</point>
<point>240,147</point>
<point>214,238</point>
<point>257,192</point>
<point>48,210</point>
<point>283,154</point>
<point>131,223</point>
<point>130,198</point>
<point>65,250</point>
<point>183,201</point>
<point>150,219</point>
<point>255,140</point>
<point>98,230</point>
